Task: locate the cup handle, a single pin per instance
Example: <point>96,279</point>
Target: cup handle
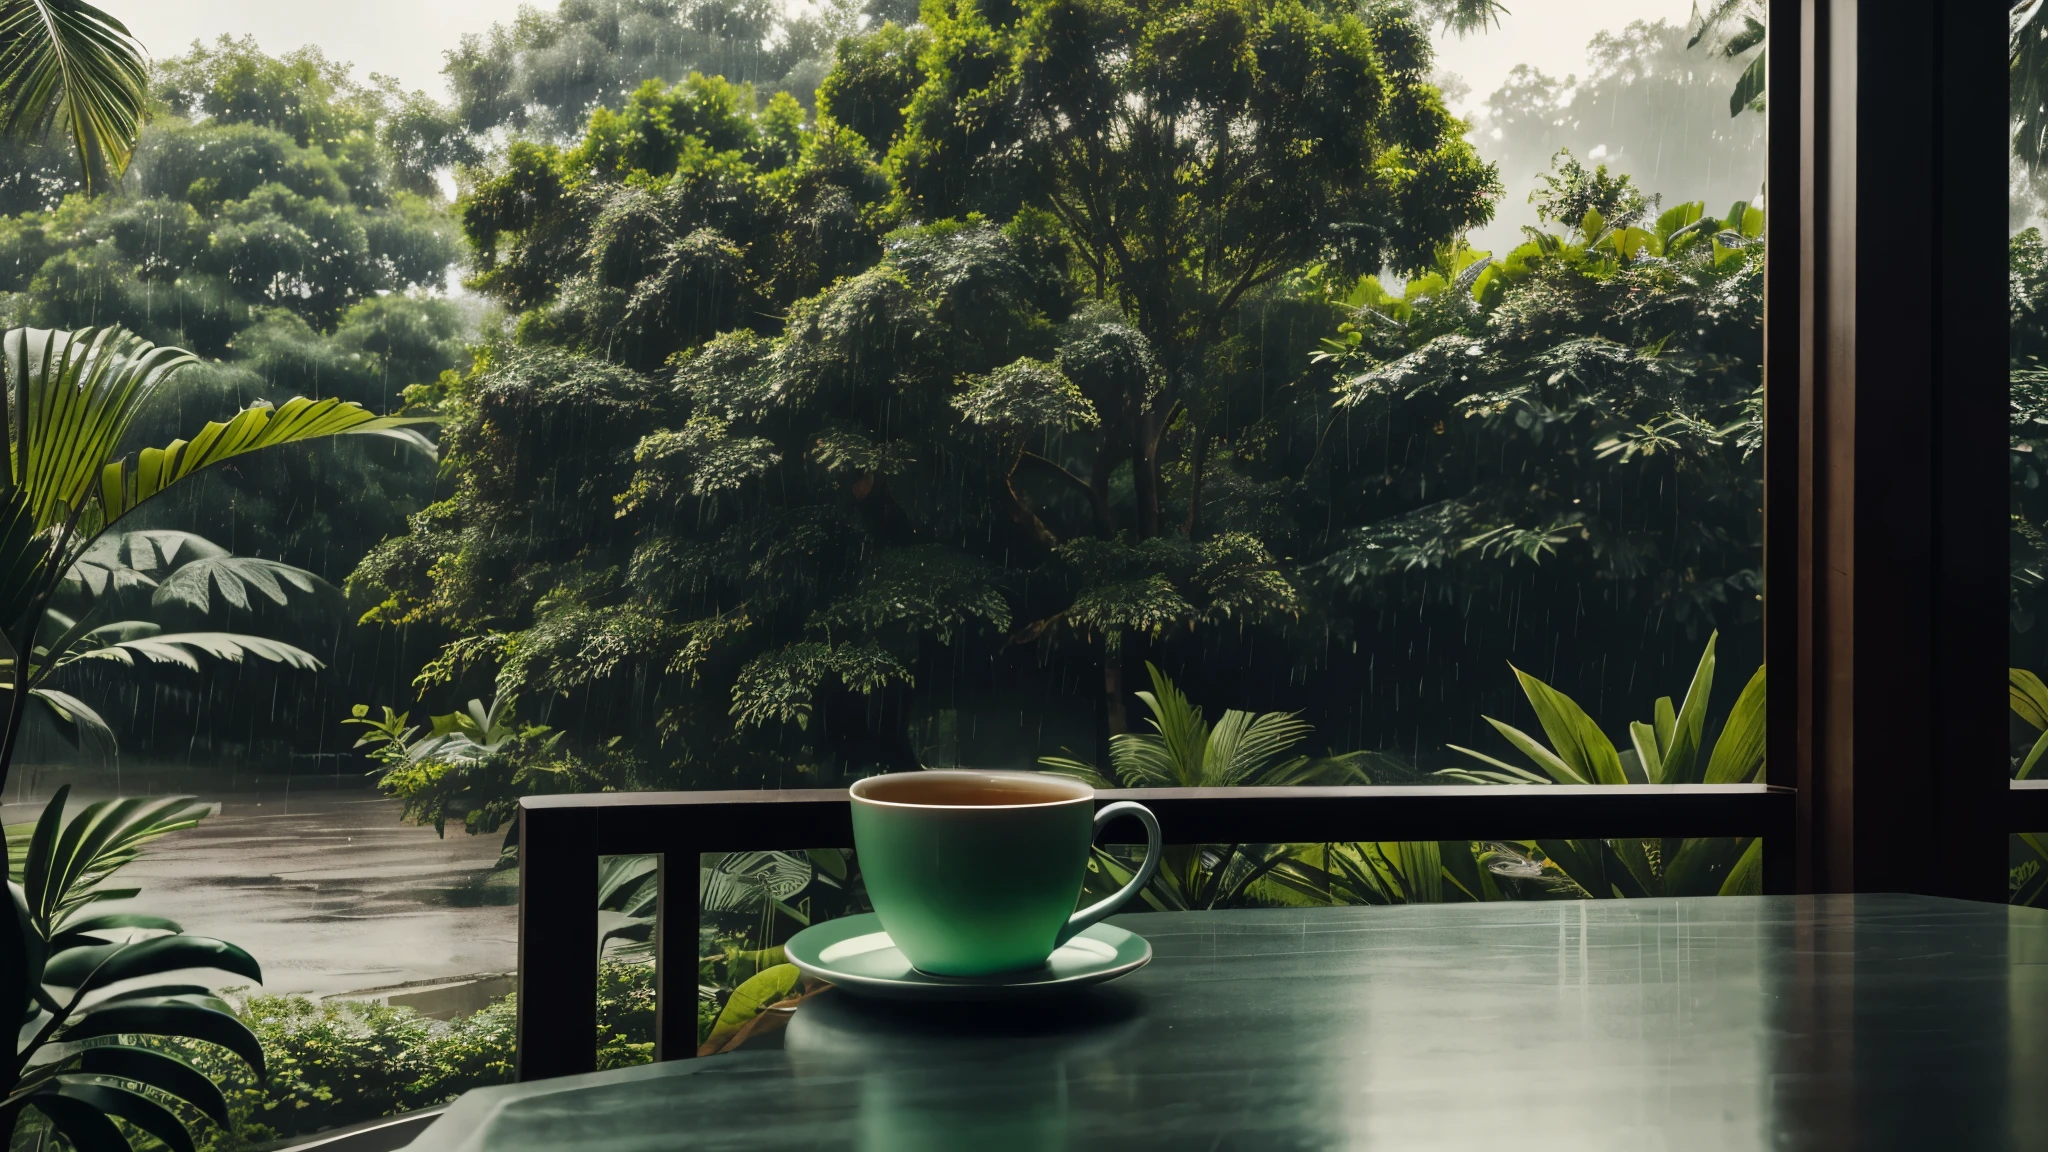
<point>1102,908</point>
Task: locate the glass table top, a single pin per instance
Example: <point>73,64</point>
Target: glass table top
<point>1874,1021</point>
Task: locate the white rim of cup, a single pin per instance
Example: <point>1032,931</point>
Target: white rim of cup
<point>1085,795</point>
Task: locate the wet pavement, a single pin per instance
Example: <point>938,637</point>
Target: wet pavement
<point>322,884</point>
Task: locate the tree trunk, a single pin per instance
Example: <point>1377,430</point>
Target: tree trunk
<point>1201,458</point>
<point>1105,463</point>
<point>1022,518</point>
<point>1145,479</point>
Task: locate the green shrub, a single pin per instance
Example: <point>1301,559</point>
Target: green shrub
<point>340,1062</point>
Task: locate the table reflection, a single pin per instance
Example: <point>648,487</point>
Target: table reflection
<point>986,1077</point>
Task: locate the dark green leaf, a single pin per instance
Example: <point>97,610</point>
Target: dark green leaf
<point>1749,89</point>
<point>169,1017</point>
<point>133,1107</point>
<point>160,1071</point>
<point>1637,862</point>
<point>1747,877</point>
<point>78,931</point>
<point>86,1126</point>
<point>1701,866</point>
<point>188,992</point>
<point>1585,861</point>
<point>98,965</point>
<point>1739,750</point>
<point>35,877</point>
<point>21,959</point>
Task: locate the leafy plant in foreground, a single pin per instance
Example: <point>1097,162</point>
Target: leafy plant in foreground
<point>67,64</point>
<point>68,979</point>
<point>2028,697</point>
<point>1668,749</point>
<point>1251,750</point>
<point>71,398</point>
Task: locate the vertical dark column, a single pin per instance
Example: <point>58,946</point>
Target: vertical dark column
<point>1902,268</point>
<point>675,957</point>
<point>1972,417</point>
<point>557,1003</point>
<point>1788,428</point>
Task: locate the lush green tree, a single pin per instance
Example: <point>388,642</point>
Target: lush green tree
<point>1190,156</point>
<point>268,221</point>
<point>545,73</point>
<point>376,134</point>
<point>793,467</point>
<point>685,213</point>
<point>852,486</point>
<point>1579,418</point>
<point>873,80</point>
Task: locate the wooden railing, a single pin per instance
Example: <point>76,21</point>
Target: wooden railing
<point>562,837</point>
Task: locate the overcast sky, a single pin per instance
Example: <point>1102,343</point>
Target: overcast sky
<point>405,38</point>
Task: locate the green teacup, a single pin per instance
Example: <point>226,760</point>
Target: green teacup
<point>975,872</point>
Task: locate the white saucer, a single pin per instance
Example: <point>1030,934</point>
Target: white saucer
<point>854,953</point>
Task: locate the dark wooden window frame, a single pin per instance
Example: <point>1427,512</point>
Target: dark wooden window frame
<point>1885,556</point>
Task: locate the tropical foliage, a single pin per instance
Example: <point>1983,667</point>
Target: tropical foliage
<point>544,73</point>
<point>856,404</point>
<point>71,398</point>
<point>91,1047</point>
<point>2028,542</point>
<point>283,217</point>
<point>2027,72</point>
<point>462,767</point>
<point>1185,751</point>
<point>1670,748</point>
<point>68,65</point>
<point>876,386</point>
<point>156,574</point>
<point>1732,28</point>
<point>1676,746</point>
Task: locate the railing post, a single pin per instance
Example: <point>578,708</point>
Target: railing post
<point>1781,850</point>
<point>676,918</point>
<point>557,1002</point>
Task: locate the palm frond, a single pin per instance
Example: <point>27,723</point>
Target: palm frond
<point>1464,17</point>
<point>2027,79</point>
<point>259,426</point>
<point>68,860</point>
<point>1184,737</point>
<point>67,64</point>
<point>184,648</point>
<point>192,585</point>
<point>72,397</point>
<point>82,726</point>
<point>1243,748</point>
<point>748,881</point>
<point>130,559</point>
<point>1144,760</point>
<point>1079,770</point>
